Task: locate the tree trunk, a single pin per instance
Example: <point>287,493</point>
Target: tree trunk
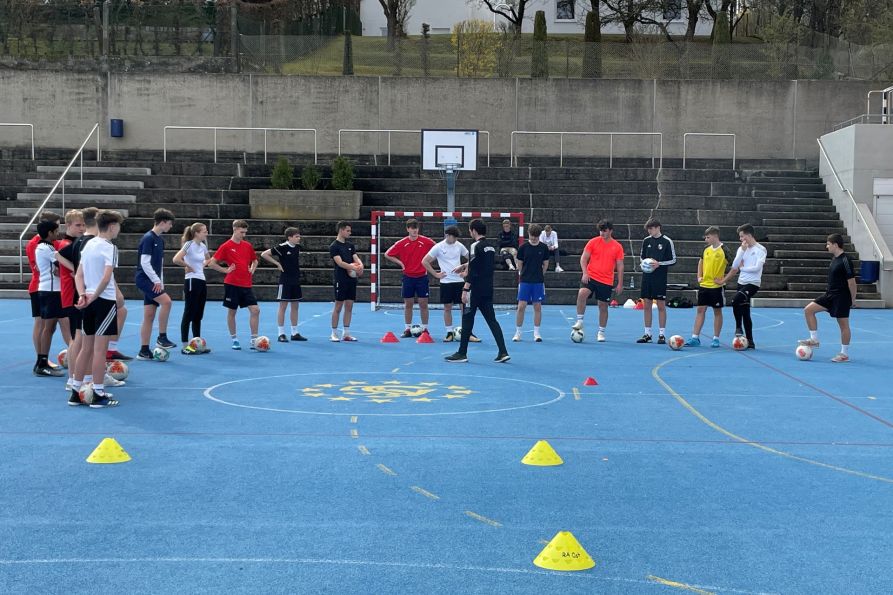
<point>694,9</point>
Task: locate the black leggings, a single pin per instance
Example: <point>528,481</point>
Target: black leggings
<point>485,305</point>
<point>741,309</point>
<point>195,294</point>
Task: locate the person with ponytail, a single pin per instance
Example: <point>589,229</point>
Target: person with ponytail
<point>193,256</point>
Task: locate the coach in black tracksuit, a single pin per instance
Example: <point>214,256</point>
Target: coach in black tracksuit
<point>477,293</point>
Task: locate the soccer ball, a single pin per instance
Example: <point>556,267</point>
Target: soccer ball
<point>803,352</point>
<point>117,370</point>
<point>198,344</point>
<point>647,265</point>
<point>160,354</point>
<point>62,358</point>
<point>457,333</point>
<point>739,343</point>
<point>262,343</point>
<point>416,330</point>
<point>676,342</point>
<point>577,335</point>
<point>86,393</point>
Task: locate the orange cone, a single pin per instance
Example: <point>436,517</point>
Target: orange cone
<point>614,303</point>
<point>425,337</point>
<point>390,337</point>
<point>590,382</point>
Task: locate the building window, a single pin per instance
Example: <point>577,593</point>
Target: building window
<point>564,10</point>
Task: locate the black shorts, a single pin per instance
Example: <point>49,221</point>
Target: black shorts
<point>654,286</point>
<point>744,293</point>
<point>451,293</point>
<point>715,297</point>
<point>235,297</point>
<point>149,294</point>
<point>50,304</point>
<point>35,304</point>
<point>838,305</point>
<point>289,293</point>
<point>601,291</point>
<point>101,318</point>
<point>346,290</point>
<point>75,318</point>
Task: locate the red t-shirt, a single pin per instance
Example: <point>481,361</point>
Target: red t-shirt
<point>241,255</point>
<point>411,252</point>
<point>603,257</point>
<point>31,253</point>
<point>66,277</point>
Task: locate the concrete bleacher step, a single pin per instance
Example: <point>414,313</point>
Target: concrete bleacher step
<point>27,212</point>
<point>96,169</point>
<point>84,198</point>
<point>93,184</point>
<point>797,208</point>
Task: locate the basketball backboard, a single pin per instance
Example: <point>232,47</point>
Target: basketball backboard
<point>449,149</point>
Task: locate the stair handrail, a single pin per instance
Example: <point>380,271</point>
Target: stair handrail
<point>61,180</point>
<point>238,128</point>
<point>22,125</point>
<point>881,250</point>
<point>610,136</point>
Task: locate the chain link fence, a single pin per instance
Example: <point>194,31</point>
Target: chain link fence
<point>494,55</point>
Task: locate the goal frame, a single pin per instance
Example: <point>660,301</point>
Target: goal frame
<point>375,238</point>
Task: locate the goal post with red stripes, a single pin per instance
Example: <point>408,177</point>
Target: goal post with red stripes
<point>375,248</point>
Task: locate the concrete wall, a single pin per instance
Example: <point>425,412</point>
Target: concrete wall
<point>771,119</point>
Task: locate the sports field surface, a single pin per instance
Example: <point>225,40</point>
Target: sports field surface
<point>326,467</point>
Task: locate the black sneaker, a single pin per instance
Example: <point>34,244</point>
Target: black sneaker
<point>661,340</point>
<point>646,338</point>
<point>46,371</point>
<point>103,401</point>
<point>74,400</point>
<point>502,358</point>
<point>750,344</point>
<point>145,356</point>
<point>739,332</point>
<point>298,337</point>
<point>164,342</point>
<point>473,339</point>
<point>283,339</point>
<point>406,334</point>
<point>117,355</point>
<point>457,358</point>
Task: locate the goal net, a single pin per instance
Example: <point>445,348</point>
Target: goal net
<point>385,293</point>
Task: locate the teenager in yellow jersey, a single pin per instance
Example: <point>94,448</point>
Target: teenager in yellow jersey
<point>712,266</point>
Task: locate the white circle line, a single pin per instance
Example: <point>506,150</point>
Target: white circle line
<point>207,394</point>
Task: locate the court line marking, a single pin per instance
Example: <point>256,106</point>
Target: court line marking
<point>678,585</point>
<point>208,395</point>
<point>424,492</point>
<point>354,419</point>
<point>363,450</point>
<point>577,394</point>
<point>655,373</point>
<point>354,433</point>
<point>482,519</point>
<point>386,470</point>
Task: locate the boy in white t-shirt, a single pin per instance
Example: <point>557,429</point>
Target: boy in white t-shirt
<point>748,265</point>
<point>48,291</point>
<point>95,282</point>
<point>449,254</point>
<point>549,237</point>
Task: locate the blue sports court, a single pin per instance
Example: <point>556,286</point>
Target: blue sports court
<point>322,467</point>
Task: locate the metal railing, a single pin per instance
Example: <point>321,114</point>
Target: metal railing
<point>23,125</point>
<point>687,134</point>
<point>882,92</point>
<point>255,129</point>
<point>389,131</point>
<point>862,119</point>
<point>881,250</point>
<point>611,136</point>
<point>61,180</point>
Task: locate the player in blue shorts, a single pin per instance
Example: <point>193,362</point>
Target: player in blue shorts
<point>533,260</point>
<point>150,280</point>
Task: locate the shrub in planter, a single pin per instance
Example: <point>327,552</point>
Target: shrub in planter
<point>282,176</point>
<point>310,177</point>
<point>342,173</point>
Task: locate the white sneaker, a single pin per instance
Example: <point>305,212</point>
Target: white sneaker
<point>334,338</point>
<point>68,386</point>
<point>109,381</point>
<point>601,337</point>
<point>578,326</point>
<point>517,337</point>
<point>537,338</point>
<point>559,270</point>
<point>511,267</point>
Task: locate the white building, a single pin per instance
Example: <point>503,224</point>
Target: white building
<point>562,17</point>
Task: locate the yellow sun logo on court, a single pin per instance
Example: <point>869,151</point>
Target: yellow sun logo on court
<point>389,391</point>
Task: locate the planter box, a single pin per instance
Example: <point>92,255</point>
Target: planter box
<point>305,205</point>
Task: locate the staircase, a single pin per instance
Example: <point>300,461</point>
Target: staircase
<point>788,206</point>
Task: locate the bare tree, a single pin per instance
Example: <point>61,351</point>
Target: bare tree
<point>694,12</point>
<point>397,13</point>
<point>630,13</point>
<point>511,10</point>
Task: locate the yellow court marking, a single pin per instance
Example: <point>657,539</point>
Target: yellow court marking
<point>678,585</point>
<point>655,373</point>
<point>354,433</point>
<point>354,419</point>
<point>483,519</point>
<point>424,493</point>
<point>363,450</point>
<point>386,470</point>
<point>576,394</point>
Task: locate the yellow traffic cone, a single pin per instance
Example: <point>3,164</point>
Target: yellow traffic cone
<point>542,455</point>
<point>108,451</point>
<point>564,552</point>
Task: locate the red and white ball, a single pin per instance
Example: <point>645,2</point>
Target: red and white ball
<point>676,342</point>
<point>803,353</point>
<point>262,343</point>
<point>739,343</point>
